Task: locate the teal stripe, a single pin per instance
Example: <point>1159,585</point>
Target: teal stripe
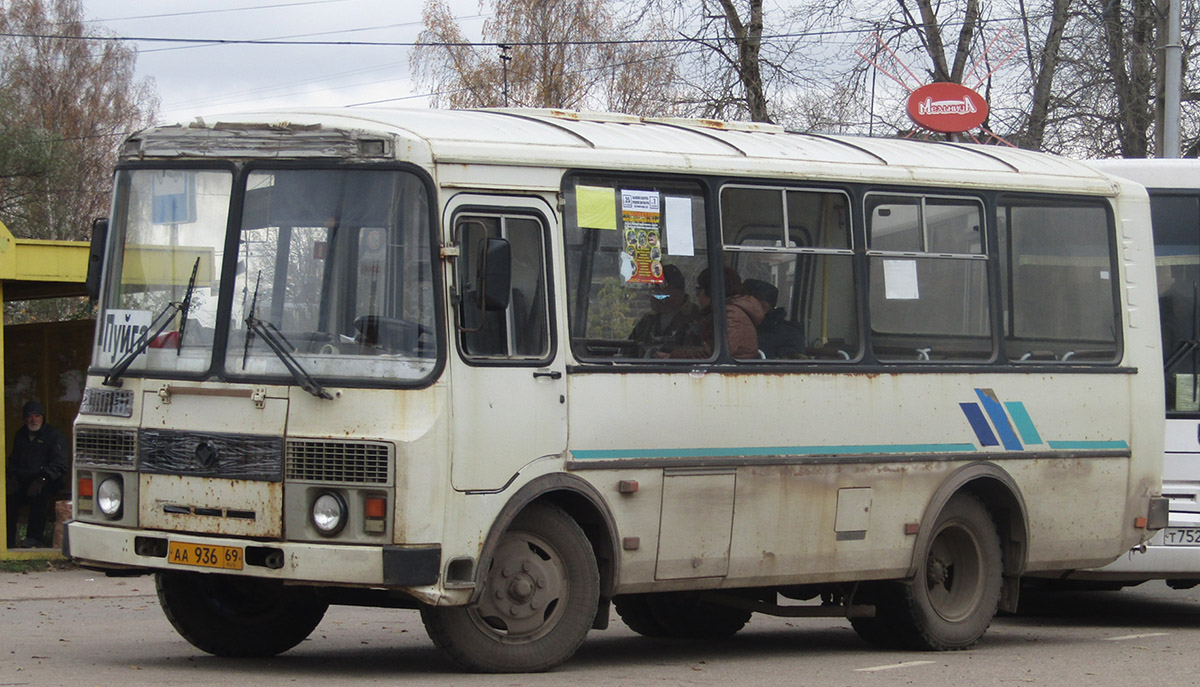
<point>1020,417</point>
<point>1076,445</point>
<point>741,452</point>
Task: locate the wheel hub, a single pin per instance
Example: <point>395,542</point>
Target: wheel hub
<point>937,571</point>
<point>523,587</point>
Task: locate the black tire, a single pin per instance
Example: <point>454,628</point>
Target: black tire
<point>687,615</point>
<point>878,631</point>
<point>540,596</point>
<point>637,615</point>
<point>953,598</point>
<point>679,614</point>
<point>238,616</point>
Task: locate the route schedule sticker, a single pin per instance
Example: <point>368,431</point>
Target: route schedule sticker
<point>641,217</point>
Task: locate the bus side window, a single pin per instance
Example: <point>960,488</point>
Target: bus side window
<point>793,251</point>
<point>1060,302</point>
<point>928,279</point>
<point>520,329</point>
<point>634,251</point>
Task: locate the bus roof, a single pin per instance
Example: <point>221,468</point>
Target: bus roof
<point>576,140</point>
<point>1157,173</point>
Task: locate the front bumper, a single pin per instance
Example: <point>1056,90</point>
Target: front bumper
<point>377,566</point>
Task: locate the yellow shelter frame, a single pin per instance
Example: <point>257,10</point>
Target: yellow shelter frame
<point>32,269</point>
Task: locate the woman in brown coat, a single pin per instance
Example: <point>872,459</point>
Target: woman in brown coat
<point>743,313</point>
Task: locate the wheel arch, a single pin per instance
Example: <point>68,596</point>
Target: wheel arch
<point>1000,494</point>
<point>578,499</point>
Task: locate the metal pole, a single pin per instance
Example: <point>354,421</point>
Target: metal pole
<point>1172,59</point>
<point>505,58</point>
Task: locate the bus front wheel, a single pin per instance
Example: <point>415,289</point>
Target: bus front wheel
<point>539,599</point>
<point>953,598</point>
<point>226,615</point>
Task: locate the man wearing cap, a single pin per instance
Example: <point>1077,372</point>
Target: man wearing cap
<point>35,467</point>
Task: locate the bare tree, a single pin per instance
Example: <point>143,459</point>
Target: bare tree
<point>547,53</point>
<point>71,100</point>
<point>749,65</point>
<point>929,30</point>
<point>1043,65</point>
<point>1129,37</point>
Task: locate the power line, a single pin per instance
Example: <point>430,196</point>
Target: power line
<point>227,9</point>
<point>413,44</point>
<point>465,44</point>
<point>319,33</point>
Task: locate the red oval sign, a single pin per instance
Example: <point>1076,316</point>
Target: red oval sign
<point>947,108</point>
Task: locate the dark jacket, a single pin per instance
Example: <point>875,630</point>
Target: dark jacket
<point>38,454</point>
<point>742,315</point>
<point>780,338</point>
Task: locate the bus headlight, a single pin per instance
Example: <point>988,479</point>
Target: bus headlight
<point>109,497</point>
<point>329,513</point>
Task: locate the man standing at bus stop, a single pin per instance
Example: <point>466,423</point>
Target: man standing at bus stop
<point>35,468</point>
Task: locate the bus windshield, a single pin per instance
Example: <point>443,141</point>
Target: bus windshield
<point>336,263</point>
<point>332,277</point>
<point>167,239</point>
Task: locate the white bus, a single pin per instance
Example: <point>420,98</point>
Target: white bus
<point>467,362</point>
<point>1172,554</point>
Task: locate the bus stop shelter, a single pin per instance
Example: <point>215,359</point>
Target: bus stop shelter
<point>45,361</point>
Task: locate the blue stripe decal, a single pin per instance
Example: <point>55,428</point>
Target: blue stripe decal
<point>743,452</point>
<point>999,418</point>
<point>1087,445</point>
<point>1020,416</point>
<point>980,424</point>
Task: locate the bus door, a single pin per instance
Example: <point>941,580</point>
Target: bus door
<point>1176,222</point>
<point>508,387</point>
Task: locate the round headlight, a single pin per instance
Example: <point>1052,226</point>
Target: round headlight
<point>329,513</point>
<point>109,497</point>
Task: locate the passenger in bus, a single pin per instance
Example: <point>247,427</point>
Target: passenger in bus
<point>743,313</point>
<point>777,336</point>
<point>672,316</point>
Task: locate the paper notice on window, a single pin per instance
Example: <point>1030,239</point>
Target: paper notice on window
<point>641,216</point>
<point>121,333</point>
<point>595,207</point>
<point>679,227</point>
<point>900,280</point>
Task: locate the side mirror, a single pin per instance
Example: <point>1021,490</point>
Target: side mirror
<point>495,274</point>
<point>96,257</point>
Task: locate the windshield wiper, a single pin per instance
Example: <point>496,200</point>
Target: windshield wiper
<point>160,322</point>
<point>281,347</point>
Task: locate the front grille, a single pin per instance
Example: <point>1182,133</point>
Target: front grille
<point>208,454</point>
<point>354,462</point>
<point>105,448</point>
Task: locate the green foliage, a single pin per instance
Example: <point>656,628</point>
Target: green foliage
<point>614,310</point>
<point>65,105</point>
<point>49,310</point>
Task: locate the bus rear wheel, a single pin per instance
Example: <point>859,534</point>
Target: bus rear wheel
<point>953,598</point>
<point>539,598</point>
<point>226,615</point>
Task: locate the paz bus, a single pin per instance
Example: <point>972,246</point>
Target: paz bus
<point>481,364</point>
<point>1172,554</point>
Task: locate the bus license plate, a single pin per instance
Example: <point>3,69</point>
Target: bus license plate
<point>1181,536</point>
<point>204,555</point>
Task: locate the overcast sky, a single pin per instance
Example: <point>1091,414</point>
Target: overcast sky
<point>210,79</point>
